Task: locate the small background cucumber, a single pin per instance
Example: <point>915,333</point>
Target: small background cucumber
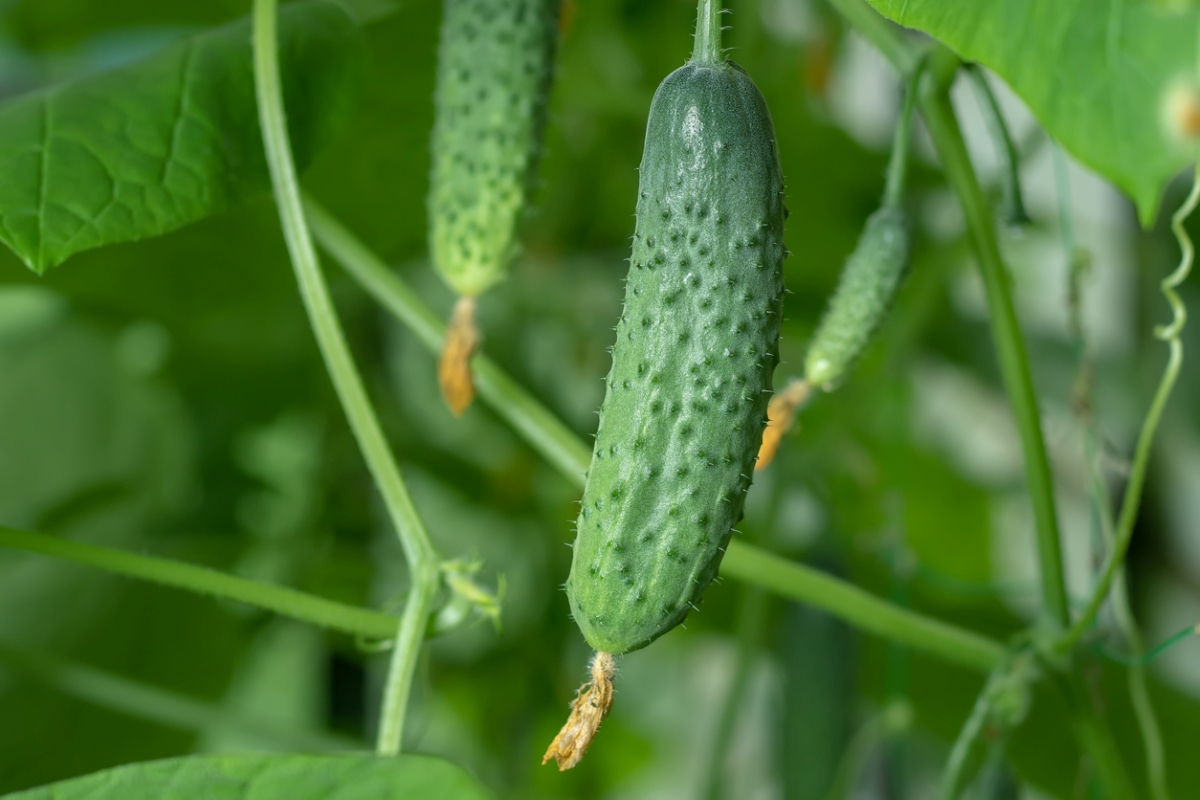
<point>696,345</point>
<point>865,290</point>
<point>495,64</point>
<point>864,294</point>
<point>874,270</point>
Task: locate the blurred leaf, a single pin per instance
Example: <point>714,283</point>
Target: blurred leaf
<point>148,148</point>
<point>55,25</point>
<point>1097,74</point>
<point>281,777</point>
<point>102,454</point>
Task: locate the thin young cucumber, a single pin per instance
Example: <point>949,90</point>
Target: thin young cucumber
<point>686,399</point>
<point>864,294</point>
<point>495,66</point>
<point>872,273</point>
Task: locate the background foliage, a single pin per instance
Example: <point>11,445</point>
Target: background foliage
<point>166,396</point>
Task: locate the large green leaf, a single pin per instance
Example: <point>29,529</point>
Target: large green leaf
<point>143,150</point>
<point>270,777</point>
<point>1096,73</point>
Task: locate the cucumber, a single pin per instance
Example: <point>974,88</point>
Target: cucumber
<point>873,271</point>
<point>495,65</point>
<point>686,398</point>
<point>864,294</point>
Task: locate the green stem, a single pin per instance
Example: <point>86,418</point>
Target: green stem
<point>545,432</point>
<point>707,48</point>
<point>1101,502</point>
<point>1141,460</point>
<point>1139,697</point>
<point>1097,741</point>
<point>859,608</point>
<point>898,162</point>
<point>564,450</point>
<point>957,764</point>
<point>419,552</point>
<point>1010,344</point>
<point>1006,150</point>
<point>279,599</point>
<point>403,666</point>
<point>886,37</point>
<point>143,701</point>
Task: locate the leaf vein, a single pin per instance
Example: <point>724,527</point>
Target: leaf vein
<point>181,107</point>
<point>43,179</point>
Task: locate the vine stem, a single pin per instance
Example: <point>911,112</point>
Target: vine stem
<point>419,552</point>
<point>279,599</point>
<point>1006,150</point>
<point>897,168</point>
<point>1101,501</point>
<point>1010,344</point>
<point>1137,476</point>
<point>562,448</point>
<point>707,48</point>
<point>544,431</point>
<point>957,764</point>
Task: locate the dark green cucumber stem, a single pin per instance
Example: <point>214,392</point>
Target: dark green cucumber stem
<point>898,163</point>
<point>1006,151</point>
<point>707,49</point>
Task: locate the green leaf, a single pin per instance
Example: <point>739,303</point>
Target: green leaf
<point>148,148</point>
<point>270,777</point>
<point>1097,74</point>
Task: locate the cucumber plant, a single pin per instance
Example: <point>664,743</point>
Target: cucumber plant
<point>93,436</point>
<point>696,347</point>
<point>495,64</point>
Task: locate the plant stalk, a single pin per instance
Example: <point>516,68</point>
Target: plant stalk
<point>956,766</point>
<point>1141,459</point>
<point>419,552</point>
<point>897,169</point>
<point>545,432</point>
<point>707,48</point>
<point>1006,150</point>
<point>1101,500</point>
<point>1010,344</point>
<point>278,599</point>
<point>886,37</point>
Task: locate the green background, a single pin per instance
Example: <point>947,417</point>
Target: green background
<point>167,397</point>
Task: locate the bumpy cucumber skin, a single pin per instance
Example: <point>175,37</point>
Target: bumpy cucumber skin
<point>864,294</point>
<point>495,65</point>
<point>696,345</point>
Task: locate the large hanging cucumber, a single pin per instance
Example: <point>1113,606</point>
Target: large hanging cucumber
<point>495,64</point>
<point>687,395</point>
<point>696,346</point>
